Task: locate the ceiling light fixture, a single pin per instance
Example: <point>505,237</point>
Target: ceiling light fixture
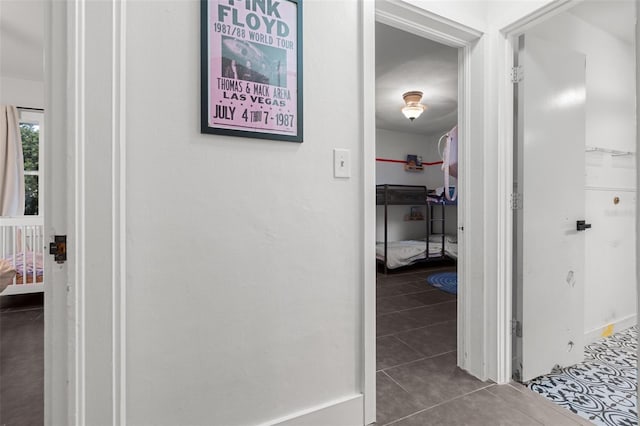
<point>413,107</point>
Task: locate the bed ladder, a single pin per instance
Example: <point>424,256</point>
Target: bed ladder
<point>440,220</point>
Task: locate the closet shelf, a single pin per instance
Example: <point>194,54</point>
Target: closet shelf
<point>613,152</point>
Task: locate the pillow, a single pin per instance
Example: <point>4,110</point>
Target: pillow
<point>453,239</point>
<point>6,274</point>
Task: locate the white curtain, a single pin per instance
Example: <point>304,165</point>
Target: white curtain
<point>11,163</point>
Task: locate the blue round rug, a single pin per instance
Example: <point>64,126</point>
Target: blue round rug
<point>445,281</point>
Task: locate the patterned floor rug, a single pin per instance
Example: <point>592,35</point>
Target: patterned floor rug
<point>445,281</point>
<point>603,389</point>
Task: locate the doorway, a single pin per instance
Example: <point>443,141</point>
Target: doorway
<point>22,213</point>
<point>471,351</point>
<point>585,57</point>
<point>416,224</point>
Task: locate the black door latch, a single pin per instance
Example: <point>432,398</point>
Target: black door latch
<point>582,225</point>
<point>58,248</point>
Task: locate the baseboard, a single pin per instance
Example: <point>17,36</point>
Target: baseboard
<point>615,326</point>
<point>343,412</point>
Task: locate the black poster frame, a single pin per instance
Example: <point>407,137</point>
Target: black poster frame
<point>205,89</point>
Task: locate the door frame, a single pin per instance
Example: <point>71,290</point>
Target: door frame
<point>85,199</point>
<point>428,25</point>
<point>508,45</point>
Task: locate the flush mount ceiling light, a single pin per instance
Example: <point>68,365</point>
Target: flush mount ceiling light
<point>413,107</point>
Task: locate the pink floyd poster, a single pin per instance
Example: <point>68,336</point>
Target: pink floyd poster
<point>251,68</point>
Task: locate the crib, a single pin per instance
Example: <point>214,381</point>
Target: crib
<point>22,245</point>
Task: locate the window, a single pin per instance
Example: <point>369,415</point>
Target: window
<point>31,130</point>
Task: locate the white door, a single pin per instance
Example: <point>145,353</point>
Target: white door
<point>551,180</point>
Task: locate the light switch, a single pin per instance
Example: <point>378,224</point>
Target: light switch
<point>341,163</point>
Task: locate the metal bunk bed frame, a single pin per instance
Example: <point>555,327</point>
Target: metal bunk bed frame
<point>410,195</point>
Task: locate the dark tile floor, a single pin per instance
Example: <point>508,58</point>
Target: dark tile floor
<point>21,360</point>
<point>418,382</point>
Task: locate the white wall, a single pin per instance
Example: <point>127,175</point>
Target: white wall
<point>244,267</point>
<point>610,289</point>
<point>20,92</point>
<point>396,146</point>
<point>471,13</point>
<point>502,13</point>
<point>483,15</point>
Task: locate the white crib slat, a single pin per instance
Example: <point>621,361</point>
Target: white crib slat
<point>23,241</point>
<point>33,253</point>
<point>20,236</point>
<point>14,243</point>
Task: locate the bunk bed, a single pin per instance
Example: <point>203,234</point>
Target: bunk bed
<point>438,245</point>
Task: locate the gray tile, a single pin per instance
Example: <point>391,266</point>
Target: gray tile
<point>395,279</point>
<point>435,297</point>
<point>479,408</point>
<point>18,316</point>
<point>385,305</point>
<point>540,410</point>
<point>22,367</point>
<point>21,394</point>
<point>435,380</point>
<point>392,402</point>
<point>391,352</point>
<point>388,290</point>
<point>424,274</point>
<point>430,315</point>
<point>432,340</point>
<point>393,323</point>
<point>21,334</point>
<point>542,401</point>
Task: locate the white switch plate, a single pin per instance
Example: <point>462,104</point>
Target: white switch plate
<point>341,163</point>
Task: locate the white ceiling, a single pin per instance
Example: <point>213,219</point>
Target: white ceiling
<point>407,62</point>
<point>21,39</point>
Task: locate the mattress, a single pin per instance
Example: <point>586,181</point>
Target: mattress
<point>403,253</point>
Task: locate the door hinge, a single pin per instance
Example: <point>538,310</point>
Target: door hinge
<point>517,74</point>
<point>516,328</point>
<point>58,248</point>
<point>516,201</point>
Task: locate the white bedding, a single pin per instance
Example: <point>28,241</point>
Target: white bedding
<point>403,253</point>
<point>451,247</point>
